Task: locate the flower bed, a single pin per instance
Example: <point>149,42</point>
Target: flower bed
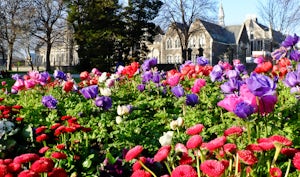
<point>199,120</point>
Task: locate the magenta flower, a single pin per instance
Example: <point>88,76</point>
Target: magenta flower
<point>229,102</point>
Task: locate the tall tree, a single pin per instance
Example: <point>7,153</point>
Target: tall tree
<point>96,26</point>
<point>182,13</point>
<point>49,23</point>
<point>138,17</point>
<point>281,15</point>
<point>11,24</point>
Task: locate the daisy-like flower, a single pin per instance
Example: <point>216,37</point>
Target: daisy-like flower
<point>290,152</point>
<point>14,167</point>
<point>215,143</point>
<point>196,129</point>
<point>212,168</point>
<point>58,172</point>
<point>41,137</point>
<point>3,169</point>
<point>186,159</point>
<point>140,173</point>
<point>184,171</point>
<point>24,158</point>
<point>44,149</point>
<point>162,153</point>
<point>42,165</point>
<point>27,173</point>
<point>194,142</point>
<point>234,130</point>
<point>275,172</point>
<point>247,157</point>
<point>229,148</point>
<point>40,129</point>
<point>137,165</point>
<point>58,155</point>
<point>61,146</point>
<point>254,147</point>
<point>296,160</point>
<point>133,153</point>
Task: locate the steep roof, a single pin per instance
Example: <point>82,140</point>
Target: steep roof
<point>236,30</point>
<point>219,33</point>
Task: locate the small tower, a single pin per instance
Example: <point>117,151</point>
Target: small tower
<point>221,15</point>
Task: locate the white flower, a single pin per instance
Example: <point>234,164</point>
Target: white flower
<point>123,110</point>
<point>119,119</point>
<point>179,121</point>
<point>166,139</point>
<point>174,124</point>
<point>105,91</point>
<point>103,77</point>
<point>110,82</point>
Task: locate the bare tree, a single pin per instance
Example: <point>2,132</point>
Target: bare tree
<point>281,15</point>
<point>182,13</point>
<point>11,24</point>
<point>49,23</point>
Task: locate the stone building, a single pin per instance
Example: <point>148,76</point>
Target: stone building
<point>216,41</point>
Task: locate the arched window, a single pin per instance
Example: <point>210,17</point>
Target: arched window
<point>202,41</point>
<point>177,58</point>
<point>192,42</point>
<point>177,43</point>
<point>169,43</point>
<point>170,59</point>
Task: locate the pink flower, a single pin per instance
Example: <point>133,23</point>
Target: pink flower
<point>28,173</point>
<point>196,129</point>
<point>229,102</point>
<point>58,172</point>
<point>58,155</point>
<point>234,130</point>
<point>140,173</point>
<point>247,157</point>
<point>44,149</point>
<point>29,83</point>
<point>296,160</point>
<point>186,159</point>
<point>194,142</point>
<point>24,158</point>
<point>137,164</point>
<point>215,143</point>
<point>42,165</point>
<point>247,96</point>
<point>179,147</point>
<point>198,84</point>
<point>184,171</point>
<point>173,80</point>
<point>212,168</point>
<point>133,153</point>
<point>162,153</point>
<point>229,148</point>
<point>290,152</point>
<point>275,172</point>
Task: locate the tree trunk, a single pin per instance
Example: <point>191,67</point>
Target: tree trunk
<point>48,67</point>
<point>9,57</point>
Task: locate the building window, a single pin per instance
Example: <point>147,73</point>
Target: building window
<point>192,42</point>
<point>169,43</point>
<point>170,59</point>
<point>202,41</point>
<point>177,59</point>
<point>177,43</point>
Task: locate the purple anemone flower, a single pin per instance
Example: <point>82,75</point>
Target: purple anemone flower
<point>243,110</point>
<point>279,53</point>
<point>59,75</point>
<point>260,85</point>
<point>148,64</point>
<point>90,91</point>
<point>216,73</point>
<point>191,99</point>
<point>49,101</point>
<point>240,68</point>
<point>16,76</point>
<point>290,41</point>
<point>202,61</point>
<point>156,77</point>
<point>104,102</point>
<point>267,104</point>
<point>295,55</point>
<point>141,87</point>
<point>147,76</point>
<point>177,91</point>
<point>231,85</point>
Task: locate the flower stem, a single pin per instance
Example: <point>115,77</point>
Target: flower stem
<point>277,151</point>
<point>147,169</point>
<point>198,166</point>
<point>236,165</point>
<point>168,167</point>
<point>248,132</point>
<point>288,168</point>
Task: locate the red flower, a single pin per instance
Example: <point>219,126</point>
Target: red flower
<point>58,172</point>
<point>3,170</point>
<point>140,173</point>
<point>58,155</point>
<point>196,129</point>
<point>7,161</point>
<point>266,146</point>
<point>281,139</point>
<point>247,157</point>
<point>54,126</point>
<point>133,153</point>
<point>185,159</point>
<point>290,152</point>
<point>40,129</point>
<point>76,157</point>
<point>84,75</point>
<point>65,117</point>
<point>137,165</point>
<point>28,173</point>
<point>235,130</point>
<point>42,137</point>
<point>162,153</point>
<point>264,67</point>
<point>42,165</point>
<point>61,146</point>
<point>68,86</point>
<point>184,171</point>
<point>254,147</point>
<point>14,167</point>
<point>296,160</point>
<point>275,172</point>
<point>44,149</point>
<point>194,142</point>
<point>215,143</point>
<point>17,106</point>
<point>24,158</point>
<point>61,129</point>
<point>229,148</point>
<point>212,168</point>
<point>19,119</point>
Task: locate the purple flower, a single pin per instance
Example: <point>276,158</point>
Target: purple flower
<point>202,61</point>
<point>216,73</point>
<point>177,91</point>
<point>90,91</point>
<point>156,77</point>
<point>267,103</point>
<point>104,102</point>
<point>43,77</point>
<point>59,75</point>
<point>279,53</point>
<point>295,55</point>
<point>292,79</point>
<point>16,76</point>
<point>290,41</point>
<point>243,110</point>
<point>260,85</point>
<point>141,87</point>
<point>147,76</point>
<point>231,85</point>
<point>240,68</point>
<point>49,101</point>
<point>148,64</point>
<point>191,99</point>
